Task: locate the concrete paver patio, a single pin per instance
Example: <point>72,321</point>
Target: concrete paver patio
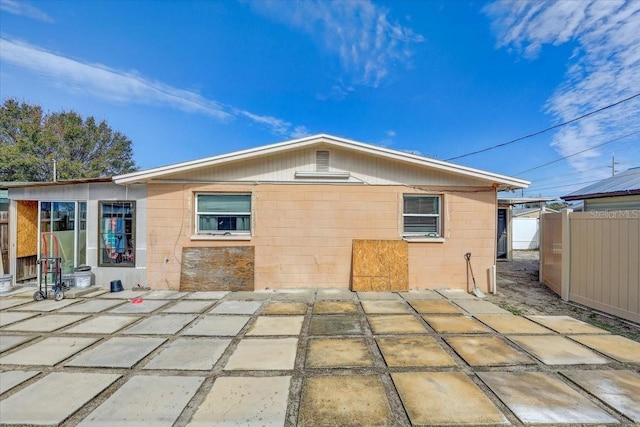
<point>146,400</point>
<point>29,404</point>
<point>557,350</point>
<point>240,401</point>
<point>341,400</point>
<point>338,353</point>
<point>12,317</point>
<point>306,357</point>
<point>48,352</point>
<point>454,399</point>
<point>538,397</point>
<point>10,379</point>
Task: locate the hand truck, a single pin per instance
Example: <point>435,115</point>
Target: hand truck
<point>50,268</point>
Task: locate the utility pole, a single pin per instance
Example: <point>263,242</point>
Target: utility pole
<point>55,172</point>
<point>613,164</point>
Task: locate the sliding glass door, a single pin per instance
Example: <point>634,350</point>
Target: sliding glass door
<point>63,233</point>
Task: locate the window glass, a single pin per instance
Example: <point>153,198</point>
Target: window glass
<point>421,215</point>
<point>117,234</point>
<point>421,205</point>
<point>82,233</point>
<point>223,213</point>
<point>57,233</point>
<point>224,203</point>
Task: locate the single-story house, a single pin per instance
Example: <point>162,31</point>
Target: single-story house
<point>319,212</point>
<point>90,222</point>
<point>619,192</point>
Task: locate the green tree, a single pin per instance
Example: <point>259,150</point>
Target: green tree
<point>30,142</point>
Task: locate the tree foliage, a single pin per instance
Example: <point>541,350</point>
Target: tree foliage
<point>30,141</point>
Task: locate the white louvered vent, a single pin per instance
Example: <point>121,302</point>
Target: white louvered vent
<point>322,160</point>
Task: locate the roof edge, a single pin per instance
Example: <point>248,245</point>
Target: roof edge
<point>503,181</point>
<point>601,195</point>
<point>55,183</point>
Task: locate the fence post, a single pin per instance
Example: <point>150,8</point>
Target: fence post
<point>566,254</point>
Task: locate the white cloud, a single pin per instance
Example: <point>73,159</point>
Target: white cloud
<point>338,92</point>
<point>604,67</point>
<point>22,8</point>
<point>369,45</point>
<point>117,86</point>
<point>276,125</point>
<point>387,140</point>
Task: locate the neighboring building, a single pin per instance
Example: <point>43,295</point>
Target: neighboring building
<point>531,212</point>
<point>85,222</point>
<point>619,192</point>
<point>287,216</point>
<point>518,228</point>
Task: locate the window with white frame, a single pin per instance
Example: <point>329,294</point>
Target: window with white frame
<point>422,215</point>
<point>223,213</point>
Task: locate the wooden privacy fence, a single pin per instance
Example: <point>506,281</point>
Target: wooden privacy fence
<point>593,258</point>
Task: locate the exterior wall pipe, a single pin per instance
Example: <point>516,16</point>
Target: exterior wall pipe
<point>494,280</point>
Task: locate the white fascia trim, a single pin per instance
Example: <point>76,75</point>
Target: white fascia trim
<point>437,164</point>
<point>424,161</point>
<point>214,160</point>
<point>504,182</point>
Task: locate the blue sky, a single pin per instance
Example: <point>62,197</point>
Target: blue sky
<point>191,79</point>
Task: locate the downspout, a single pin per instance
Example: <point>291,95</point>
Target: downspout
<point>493,287</point>
<point>494,280</point>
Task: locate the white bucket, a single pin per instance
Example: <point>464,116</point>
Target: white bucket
<point>83,279</point>
<point>5,283</point>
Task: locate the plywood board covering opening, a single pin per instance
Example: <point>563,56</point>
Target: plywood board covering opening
<point>229,268</point>
<point>380,265</point>
<point>27,226</point>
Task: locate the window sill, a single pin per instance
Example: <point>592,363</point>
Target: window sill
<point>117,265</point>
<point>423,239</point>
<point>210,237</point>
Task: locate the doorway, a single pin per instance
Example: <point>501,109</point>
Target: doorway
<point>63,233</point>
<point>502,247</point>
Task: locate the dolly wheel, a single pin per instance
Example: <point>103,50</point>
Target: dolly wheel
<point>58,296</point>
<point>38,296</point>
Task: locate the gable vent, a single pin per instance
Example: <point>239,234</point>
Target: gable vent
<point>322,160</point>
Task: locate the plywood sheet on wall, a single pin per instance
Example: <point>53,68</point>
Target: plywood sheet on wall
<point>27,226</point>
<point>228,268</point>
<point>380,265</point>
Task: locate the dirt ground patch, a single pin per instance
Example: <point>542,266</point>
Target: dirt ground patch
<point>520,292</point>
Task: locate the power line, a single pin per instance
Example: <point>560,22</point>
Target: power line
<point>565,185</point>
<point>544,130</point>
<point>580,152</point>
<point>572,184</point>
<point>552,177</point>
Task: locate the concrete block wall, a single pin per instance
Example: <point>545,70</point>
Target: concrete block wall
<point>303,233</point>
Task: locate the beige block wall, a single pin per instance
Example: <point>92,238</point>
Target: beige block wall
<point>303,233</point>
